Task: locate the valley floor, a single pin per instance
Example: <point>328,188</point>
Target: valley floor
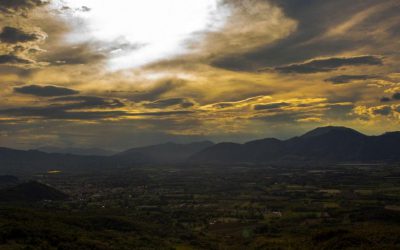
<point>209,207</point>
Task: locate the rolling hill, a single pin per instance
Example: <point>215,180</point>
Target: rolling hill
<point>31,192</point>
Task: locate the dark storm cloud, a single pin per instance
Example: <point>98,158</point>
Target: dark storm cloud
<point>13,59</point>
<point>396,96</point>
<point>15,5</point>
<point>45,91</point>
<point>328,64</point>
<point>270,106</point>
<point>314,19</point>
<point>177,102</point>
<point>342,79</point>
<point>13,35</point>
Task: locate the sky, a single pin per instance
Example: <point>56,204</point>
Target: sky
<point>128,73</point>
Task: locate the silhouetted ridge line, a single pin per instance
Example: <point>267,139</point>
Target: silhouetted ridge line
<point>163,153</point>
<point>326,144</point>
<point>321,145</point>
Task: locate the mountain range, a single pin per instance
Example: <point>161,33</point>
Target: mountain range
<point>326,144</point>
<point>163,153</point>
<point>77,151</point>
<point>14,161</point>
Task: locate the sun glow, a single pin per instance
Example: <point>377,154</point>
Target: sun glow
<point>140,31</point>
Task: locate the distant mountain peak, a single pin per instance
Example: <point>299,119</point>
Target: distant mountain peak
<point>325,144</point>
<point>330,129</point>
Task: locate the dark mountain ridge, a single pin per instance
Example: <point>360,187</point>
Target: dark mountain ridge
<point>321,145</point>
<point>31,192</point>
<point>14,161</point>
<point>17,162</point>
<point>77,151</point>
<point>327,144</point>
<point>163,153</point>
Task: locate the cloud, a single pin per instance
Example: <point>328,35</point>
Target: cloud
<point>13,35</point>
<point>59,113</point>
<point>310,120</point>
<point>342,79</point>
<point>240,104</point>
<point>382,110</point>
<point>73,112</point>
<point>173,102</point>
<point>88,102</point>
<point>236,33</point>
<point>162,113</point>
<point>74,55</point>
<point>18,47</point>
<point>339,111</point>
<point>85,9</point>
<point>269,106</point>
<point>157,90</point>
<point>376,112</point>
<point>88,53</point>
<point>73,108</point>
<point>45,91</point>
<point>363,24</point>
<point>10,59</point>
<point>281,117</point>
<point>395,97</point>
<point>385,99</point>
<point>11,6</point>
<point>328,64</point>
<point>303,110</point>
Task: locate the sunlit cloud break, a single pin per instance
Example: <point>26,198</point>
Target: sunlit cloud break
<point>153,29</point>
